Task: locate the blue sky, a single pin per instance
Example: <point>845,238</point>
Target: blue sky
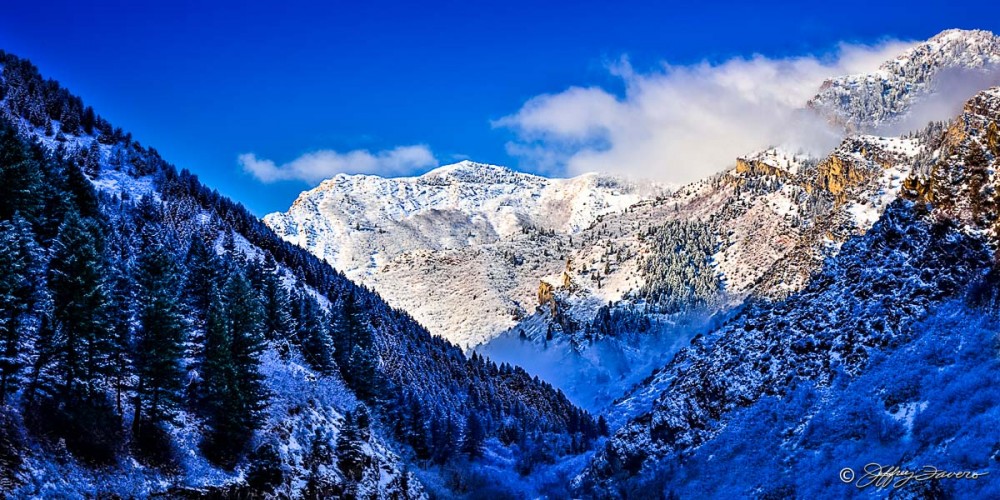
<point>206,83</point>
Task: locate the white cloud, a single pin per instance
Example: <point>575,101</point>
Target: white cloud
<point>320,165</point>
<point>682,123</point>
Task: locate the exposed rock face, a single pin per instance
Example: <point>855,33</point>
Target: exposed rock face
<point>836,174</point>
<point>758,167</point>
<point>545,293</point>
<point>962,183</point>
<point>993,138</point>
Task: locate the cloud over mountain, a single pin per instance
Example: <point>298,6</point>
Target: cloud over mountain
<point>680,123</point>
<point>319,165</point>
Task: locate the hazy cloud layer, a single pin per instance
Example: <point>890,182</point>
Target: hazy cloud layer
<point>682,123</point>
<point>320,165</point>
<point>952,88</point>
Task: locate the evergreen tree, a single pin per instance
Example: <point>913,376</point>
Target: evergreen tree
<point>361,369</point>
<point>122,305</point>
<point>233,394</point>
<point>69,121</point>
<point>443,434</point>
<point>278,321</point>
<point>354,347</point>
<point>313,334</point>
<point>81,190</point>
<point>74,346</point>
<point>472,441</point>
<point>160,342</point>
<point>92,163</point>
<point>202,265</point>
<point>88,119</point>
<point>18,289</point>
<point>79,302</point>
<point>20,177</point>
<point>351,459</point>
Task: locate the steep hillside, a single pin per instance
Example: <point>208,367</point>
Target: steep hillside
<point>923,274</point>
<point>159,339</point>
<point>641,283</point>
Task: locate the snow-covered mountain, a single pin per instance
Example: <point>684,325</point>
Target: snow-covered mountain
<point>923,82</point>
<point>651,269</point>
<point>442,245</point>
<point>881,358</point>
<point>466,248</point>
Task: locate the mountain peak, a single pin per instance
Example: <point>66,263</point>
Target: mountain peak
<point>952,63</point>
<point>471,171</point>
<point>971,49</point>
<point>954,34</point>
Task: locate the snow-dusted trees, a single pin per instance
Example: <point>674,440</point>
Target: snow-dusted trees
<point>353,346</point>
<point>80,314</point>
<point>20,177</point>
<point>312,333</point>
<point>66,395</point>
<point>19,260</point>
<point>278,320</point>
<point>160,344</point>
<point>354,434</point>
<point>154,297</point>
<point>233,396</point>
<point>679,273</point>
<point>472,439</point>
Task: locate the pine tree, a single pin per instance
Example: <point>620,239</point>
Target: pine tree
<point>443,434</point>
<point>233,394</point>
<point>472,441</point>
<point>88,119</point>
<point>74,346</point>
<point>18,255</point>
<point>351,459</point>
<point>278,321</point>
<point>160,342</point>
<point>69,121</point>
<point>246,313</point>
<point>20,177</point>
<point>361,369</point>
<point>313,335</point>
<point>79,301</point>
<point>92,164</point>
<point>122,305</point>
<point>202,265</point>
<point>83,194</point>
<point>354,348</point>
